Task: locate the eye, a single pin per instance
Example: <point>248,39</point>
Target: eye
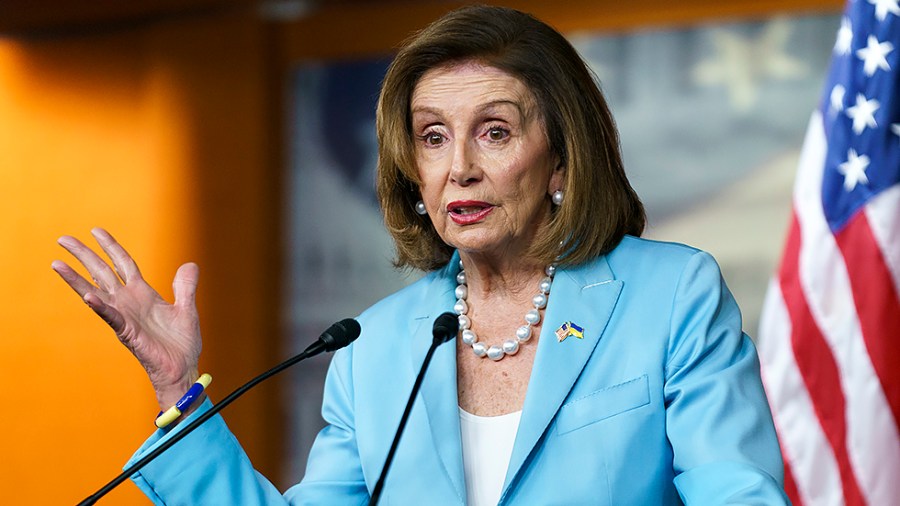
<point>432,139</point>
<point>497,133</point>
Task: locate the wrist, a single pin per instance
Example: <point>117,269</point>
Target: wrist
<point>169,394</point>
<point>186,404</point>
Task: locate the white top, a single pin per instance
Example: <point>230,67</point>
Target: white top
<point>487,443</point>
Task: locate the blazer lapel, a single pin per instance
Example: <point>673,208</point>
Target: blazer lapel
<point>438,392</point>
<point>585,296</point>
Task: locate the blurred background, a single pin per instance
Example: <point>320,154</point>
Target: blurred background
<point>240,135</point>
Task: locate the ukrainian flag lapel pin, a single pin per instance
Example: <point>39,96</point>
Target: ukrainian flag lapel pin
<point>575,330</point>
<point>569,329</point>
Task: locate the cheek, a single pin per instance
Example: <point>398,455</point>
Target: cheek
<point>431,169</point>
<point>427,158</point>
<point>525,179</point>
<point>426,174</point>
<point>430,191</point>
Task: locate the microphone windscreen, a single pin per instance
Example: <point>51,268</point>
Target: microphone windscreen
<point>340,334</point>
<point>445,327</point>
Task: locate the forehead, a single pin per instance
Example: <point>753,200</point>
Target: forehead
<point>469,84</point>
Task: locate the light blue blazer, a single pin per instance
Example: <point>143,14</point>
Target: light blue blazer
<point>659,403</point>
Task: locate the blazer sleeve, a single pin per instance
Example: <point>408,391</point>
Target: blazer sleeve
<point>209,467</point>
<point>206,467</point>
<point>717,417</point>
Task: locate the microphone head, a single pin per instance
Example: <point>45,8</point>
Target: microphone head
<point>445,328</point>
<point>340,334</point>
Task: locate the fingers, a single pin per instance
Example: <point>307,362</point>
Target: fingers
<point>109,314</point>
<point>81,286</point>
<point>86,290</point>
<point>185,285</point>
<point>122,261</point>
<point>104,276</point>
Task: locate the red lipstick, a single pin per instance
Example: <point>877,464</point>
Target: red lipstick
<point>467,212</point>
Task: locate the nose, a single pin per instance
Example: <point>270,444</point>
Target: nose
<point>464,169</point>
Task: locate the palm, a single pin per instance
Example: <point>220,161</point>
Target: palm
<point>162,336</point>
<point>165,338</point>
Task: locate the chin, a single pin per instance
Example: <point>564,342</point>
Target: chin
<point>483,247</point>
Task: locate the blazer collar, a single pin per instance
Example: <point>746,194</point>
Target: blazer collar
<point>438,392</point>
<point>585,295</point>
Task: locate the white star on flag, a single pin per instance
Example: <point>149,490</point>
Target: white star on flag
<point>874,55</point>
<point>863,113</point>
<point>837,97</point>
<point>883,7</point>
<point>854,170</point>
<point>896,129</point>
<point>844,37</point>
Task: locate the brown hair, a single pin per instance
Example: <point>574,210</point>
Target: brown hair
<point>600,206</point>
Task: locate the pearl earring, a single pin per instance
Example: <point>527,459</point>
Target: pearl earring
<point>557,197</point>
<point>420,208</point>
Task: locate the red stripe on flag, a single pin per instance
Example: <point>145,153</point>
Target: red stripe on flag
<point>877,303</point>
<point>790,486</point>
<point>816,364</point>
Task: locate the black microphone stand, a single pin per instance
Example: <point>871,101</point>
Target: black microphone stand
<point>326,342</point>
<point>445,328</point>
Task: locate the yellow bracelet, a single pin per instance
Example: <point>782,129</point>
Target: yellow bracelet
<point>196,390</point>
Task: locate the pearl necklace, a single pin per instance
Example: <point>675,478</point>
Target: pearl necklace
<point>523,333</point>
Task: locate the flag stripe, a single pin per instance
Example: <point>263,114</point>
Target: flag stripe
<point>827,291</point>
<point>883,213</point>
<point>790,487</point>
<point>809,461</point>
<point>877,304</point>
<point>817,365</point>
<point>840,277</point>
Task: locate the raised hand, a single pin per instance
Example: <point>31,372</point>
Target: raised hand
<point>165,338</point>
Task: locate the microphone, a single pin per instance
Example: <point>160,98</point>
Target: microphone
<point>337,336</point>
<point>445,328</point>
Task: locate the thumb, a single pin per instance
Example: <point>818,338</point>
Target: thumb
<point>185,285</point>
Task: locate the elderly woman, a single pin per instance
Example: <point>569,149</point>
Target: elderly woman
<point>592,367</point>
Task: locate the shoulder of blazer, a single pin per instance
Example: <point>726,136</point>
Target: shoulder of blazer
<point>636,257</point>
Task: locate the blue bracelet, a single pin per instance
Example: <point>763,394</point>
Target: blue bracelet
<point>163,419</point>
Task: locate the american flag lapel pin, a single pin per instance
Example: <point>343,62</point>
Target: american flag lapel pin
<point>569,329</point>
<point>562,332</point>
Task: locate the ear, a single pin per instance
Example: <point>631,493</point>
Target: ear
<point>557,178</point>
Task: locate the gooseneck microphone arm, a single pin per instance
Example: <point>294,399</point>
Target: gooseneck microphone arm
<point>445,328</point>
<point>337,336</point>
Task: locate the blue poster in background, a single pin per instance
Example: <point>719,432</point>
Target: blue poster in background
<point>711,121</point>
<point>339,258</point>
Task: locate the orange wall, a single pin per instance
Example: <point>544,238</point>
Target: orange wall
<point>160,134</point>
<point>169,134</point>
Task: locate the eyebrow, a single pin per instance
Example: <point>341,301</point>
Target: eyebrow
<point>523,111</point>
<point>519,106</point>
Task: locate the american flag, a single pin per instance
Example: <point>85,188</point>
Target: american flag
<point>829,337</point>
<point>562,332</point>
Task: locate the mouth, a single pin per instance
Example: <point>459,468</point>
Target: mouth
<point>465,212</point>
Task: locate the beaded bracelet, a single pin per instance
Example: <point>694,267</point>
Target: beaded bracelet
<point>172,414</point>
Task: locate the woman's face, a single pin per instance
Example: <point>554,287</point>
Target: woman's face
<point>483,158</point>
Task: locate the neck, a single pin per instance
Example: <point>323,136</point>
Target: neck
<point>504,277</point>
